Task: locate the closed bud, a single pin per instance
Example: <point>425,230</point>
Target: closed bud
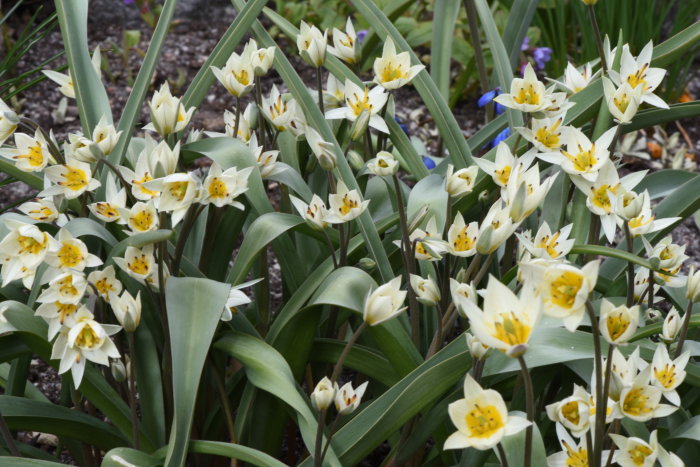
<point>483,244</point>
<point>426,290</point>
<point>359,126</point>
<point>630,205</point>
<point>118,371</point>
<point>672,326</point>
<point>355,160</point>
<point>692,291</point>
<point>323,394</point>
<point>476,348</point>
<point>367,264</point>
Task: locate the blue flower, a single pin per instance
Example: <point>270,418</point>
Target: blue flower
<point>488,97</point>
<point>542,55</point>
<point>429,163</point>
<point>361,35</point>
<point>403,126</point>
<point>502,136</point>
<point>526,44</point>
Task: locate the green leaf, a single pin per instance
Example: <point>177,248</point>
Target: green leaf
<point>676,47</point>
<point>31,415</point>
<point>24,462</point>
<point>663,182</point>
<point>30,178</point>
<point>501,59</point>
<point>134,104</point>
<point>90,94</point>
<point>234,451</point>
<point>268,370</point>
<point>688,430</point>
<point>437,106</point>
<point>519,20</point>
<point>407,152</point>
<point>610,253</point>
<point>138,241</point>
<point>194,310</point>
<point>415,393</point>
<point>429,193</point>
<point>514,446</point>
<point>121,457</point>
<point>82,226</point>
<point>650,117</point>
<point>362,359</point>
<point>261,232</point>
<point>444,19</point>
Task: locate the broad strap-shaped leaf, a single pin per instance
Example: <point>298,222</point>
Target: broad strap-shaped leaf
<point>194,309</point>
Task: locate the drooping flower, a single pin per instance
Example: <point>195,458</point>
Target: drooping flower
<point>65,81</point>
<point>495,229</point>
<point>481,419</point>
<point>384,303</point>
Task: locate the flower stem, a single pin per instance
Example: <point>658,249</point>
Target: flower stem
<point>484,268</point>
<point>331,249</point>
<point>502,455</point>
<point>132,391</point>
<point>190,218</point>
<point>339,364</point>
<point>650,304</point>
<point>598,39</point>
<point>319,438</point>
<point>7,436</point>
<point>530,401</point>
<point>600,406</point>
<point>238,117</point>
<point>478,52</point>
<point>319,84</point>
<point>630,267</point>
<point>684,329</point>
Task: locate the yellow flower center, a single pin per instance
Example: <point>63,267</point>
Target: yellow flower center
<point>584,160</point>
<point>635,402</point>
<point>600,196</point>
<point>35,156</point>
<point>348,204</point>
<point>549,136</point>
<point>106,210</point>
<point>41,213</point>
<point>70,255</point>
<point>143,220</point>
<point>550,244</point>
<point>104,286</point>
<point>639,453</point>
<point>75,178</point>
<point>64,310</point>
<point>666,376</point>
<point>564,288</point>
<point>392,72</point>
<point>382,163</point>
<point>511,330</point>
<point>639,78</point>
<point>30,245</point>
<point>242,77</point>
<point>463,242</point>
<point>617,323</point>
<point>570,412</point>
<point>575,457</point>
<point>483,422</point>
<point>87,338</point>
<point>140,181</point>
<point>622,103</point>
<point>527,95</point>
<point>278,108</point>
<point>666,254</point>
<point>503,174</point>
<point>358,104</point>
<point>217,188</point>
<point>66,287</point>
<point>640,221</point>
<point>140,265</point>
<point>178,190</point>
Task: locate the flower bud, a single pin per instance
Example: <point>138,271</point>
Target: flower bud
<point>630,205</point>
<point>118,371</point>
<point>127,309</point>
<point>312,44</point>
<point>672,326</point>
<point>384,302</point>
<point>383,164</point>
<point>367,264</point>
<point>476,348</point>
<point>359,126</point>
<point>692,291</point>
<point>323,394</point>
<point>355,160</point>
<point>426,290</point>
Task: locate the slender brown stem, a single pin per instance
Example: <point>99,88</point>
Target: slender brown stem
<point>7,436</point>
<point>530,404</point>
<point>598,39</point>
<point>650,289</point>
<point>339,364</point>
<point>684,329</point>
<point>630,267</point>
<point>132,391</point>
<point>502,455</point>
<point>600,405</point>
<point>484,268</point>
<point>238,117</point>
<point>319,438</point>
<point>331,249</point>
<point>319,83</point>
<point>330,437</point>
